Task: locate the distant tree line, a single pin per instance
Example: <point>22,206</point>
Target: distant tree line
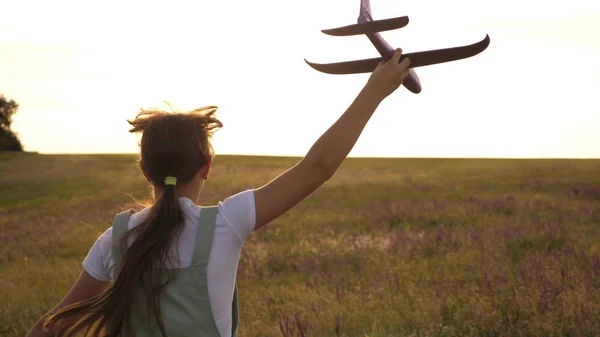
<point>8,139</point>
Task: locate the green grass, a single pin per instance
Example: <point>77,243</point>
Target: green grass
<point>387,247</point>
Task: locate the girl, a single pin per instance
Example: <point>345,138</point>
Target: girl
<point>170,269</point>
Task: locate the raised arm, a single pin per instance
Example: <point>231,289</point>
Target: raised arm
<point>328,152</point>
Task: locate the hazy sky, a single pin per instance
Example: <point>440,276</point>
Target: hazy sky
<point>79,69</point>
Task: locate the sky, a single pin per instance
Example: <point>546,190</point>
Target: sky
<point>80,69</point>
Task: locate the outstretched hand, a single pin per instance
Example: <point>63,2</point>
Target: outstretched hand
<point>389,75</point>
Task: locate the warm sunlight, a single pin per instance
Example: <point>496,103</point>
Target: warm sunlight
<point>78,77</point>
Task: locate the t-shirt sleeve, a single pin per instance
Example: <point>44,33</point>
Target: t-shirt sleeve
<point>97,261</point>
<point>239,210</point>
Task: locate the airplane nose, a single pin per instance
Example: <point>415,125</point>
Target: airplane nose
<point>412,82</point>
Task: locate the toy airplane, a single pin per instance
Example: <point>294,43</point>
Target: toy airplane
<point>371,28</point>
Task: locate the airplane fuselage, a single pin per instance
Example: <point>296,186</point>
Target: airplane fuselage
<point>386,51</point>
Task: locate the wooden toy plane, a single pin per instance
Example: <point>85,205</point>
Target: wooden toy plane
<point>371,28</point>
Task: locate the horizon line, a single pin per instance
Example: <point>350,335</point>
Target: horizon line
<point>302,156</point>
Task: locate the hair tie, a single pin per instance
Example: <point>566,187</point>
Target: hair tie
<point>170,181</point>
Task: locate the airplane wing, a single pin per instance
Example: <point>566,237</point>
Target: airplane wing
<point>349,67</point>
<point>368,27</point>
<point>418,59</point>
<point>430,57</point>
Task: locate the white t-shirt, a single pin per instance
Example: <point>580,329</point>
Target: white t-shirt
<point>235,222</point>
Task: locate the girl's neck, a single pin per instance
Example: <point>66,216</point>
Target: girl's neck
<point>191,192</point>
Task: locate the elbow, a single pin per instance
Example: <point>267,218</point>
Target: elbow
<point>318,170</point>
<point>325,170</point>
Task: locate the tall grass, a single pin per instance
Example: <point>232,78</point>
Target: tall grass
<point>387,247</point>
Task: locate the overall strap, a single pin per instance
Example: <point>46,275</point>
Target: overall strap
<point>204,235</point>
<point>204,239</point>
<point>235,314</point>
<point>119,227</point>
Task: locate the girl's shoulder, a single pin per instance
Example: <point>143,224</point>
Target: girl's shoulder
<point>107,235</point>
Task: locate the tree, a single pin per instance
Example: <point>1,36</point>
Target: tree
<point>8,139</point>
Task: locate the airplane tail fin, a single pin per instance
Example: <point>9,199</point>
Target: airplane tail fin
<point>365,9</point>
<point>369,27</point>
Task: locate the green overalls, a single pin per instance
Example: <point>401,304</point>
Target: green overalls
<point>185,304</point>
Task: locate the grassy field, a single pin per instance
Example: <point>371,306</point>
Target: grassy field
<point>387,247</point>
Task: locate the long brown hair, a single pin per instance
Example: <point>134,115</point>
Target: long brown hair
<point>172,145</point>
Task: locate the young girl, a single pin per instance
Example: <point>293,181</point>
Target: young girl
<point>170,269</point>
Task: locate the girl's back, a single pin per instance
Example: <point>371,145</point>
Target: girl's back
<point>234,223</point>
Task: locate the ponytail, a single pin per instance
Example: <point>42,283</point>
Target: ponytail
<point>146,262</point>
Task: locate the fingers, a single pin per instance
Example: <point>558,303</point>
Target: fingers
<point>396,71</point>
<point>404,64</point>
<point>396,56</point>
<point>400,65</point>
